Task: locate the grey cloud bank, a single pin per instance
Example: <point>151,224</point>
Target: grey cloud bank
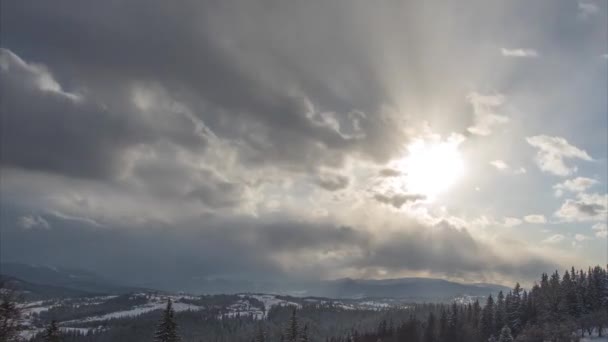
<point>247,140</point>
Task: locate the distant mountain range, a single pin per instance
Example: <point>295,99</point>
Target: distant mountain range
<point>415,289</point>
<point>44,281</point>
<point>63,282</point>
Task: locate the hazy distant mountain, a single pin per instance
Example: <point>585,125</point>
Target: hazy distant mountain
<point>74,280</point>
<point>405,288</point>
<point>415,289</point>
<point>31,291</point>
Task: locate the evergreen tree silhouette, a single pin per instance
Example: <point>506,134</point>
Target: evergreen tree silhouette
<point>167,328</point>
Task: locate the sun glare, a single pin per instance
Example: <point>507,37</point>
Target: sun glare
<point>431,168</point>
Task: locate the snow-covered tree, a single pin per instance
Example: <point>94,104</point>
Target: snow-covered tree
<point>51,333</point>
<point>10,314</point>
<point>167,328</point>
<point>505,335</point>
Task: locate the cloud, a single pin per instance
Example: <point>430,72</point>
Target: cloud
<point>398,200</point>
<point>520,171</point>
<point>586,207</point>
<point>578,184</point>
<point>212,133</point>
<point>265,99</point>
<point>499,164</point>
<point>512,222</point>
<point>554,239</point>
<point>485,117</point>
<point>538,219</point>
<point>332,182</point>
<point>580,237</point>
<point>551,154</point>
<point>33,221</point>
<point>600,229</point>
<point>268,249</point>
<point>82,137</point>
<point>587,8</point>
<point>388,172</point>
<point>519,52</point>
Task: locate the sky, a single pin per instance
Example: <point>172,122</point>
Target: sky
<point>169,143</point>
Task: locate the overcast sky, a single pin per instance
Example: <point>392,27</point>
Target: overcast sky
<point>305,140</point>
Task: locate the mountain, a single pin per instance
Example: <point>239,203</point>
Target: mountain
<point>79,281</point>
<point>31,292</point>
<point>415,289</point>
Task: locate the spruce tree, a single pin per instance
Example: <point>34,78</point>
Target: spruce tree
<point>10,314</point>
<point>500,315</point>
<point>514,309</point>
<point>261,336</point>
<point>430,332</point>
<point>51,333</point>
<point>291,334</point>
<point>505,335</point>
<point>167,328</point>
<point>487,318</point>
<point>304,334</point>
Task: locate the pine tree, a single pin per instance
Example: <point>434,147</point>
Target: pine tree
<point>505,335</point>
<point>10,314</point>
<point>514,309</point>
<point>292,329</point>
<point>443,326</point>
<point>51,333</point>
<point>167,328</point>
<point>430,334</point>
<point>487,318</point>
<point>261,336</point>
<point>304,334</point>
<point>500,315</point>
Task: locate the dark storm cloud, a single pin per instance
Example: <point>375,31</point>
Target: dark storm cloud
<point>159,254</point>
<point>206,65</point>
<point>444,249</point>
<point>49,129</point>
<point>398,200</point>
<point>46,129</point>
<point>172,257</point>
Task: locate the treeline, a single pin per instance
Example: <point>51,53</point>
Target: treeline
<point>555,309</point>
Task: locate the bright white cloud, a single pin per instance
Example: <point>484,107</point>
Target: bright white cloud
<point>586,207</point>
<point>512,222</point>
<point>485,116</point>
<point>535,218</point>
<point>519,52</point>
<point>600,229</point>
<point>499,164</point>
<point>553,239</point>
<point>578,184</point>
<point>551,154</point>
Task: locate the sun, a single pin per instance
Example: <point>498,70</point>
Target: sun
<point>432,167</point>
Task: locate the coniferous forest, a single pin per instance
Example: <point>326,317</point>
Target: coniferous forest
<point>558,307</point>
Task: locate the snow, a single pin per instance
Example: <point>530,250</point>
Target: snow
<point>136,311</point>
<point>271,300</point>
<point>594,337</point>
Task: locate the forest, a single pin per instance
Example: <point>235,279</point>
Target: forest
<point>556,308</point>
